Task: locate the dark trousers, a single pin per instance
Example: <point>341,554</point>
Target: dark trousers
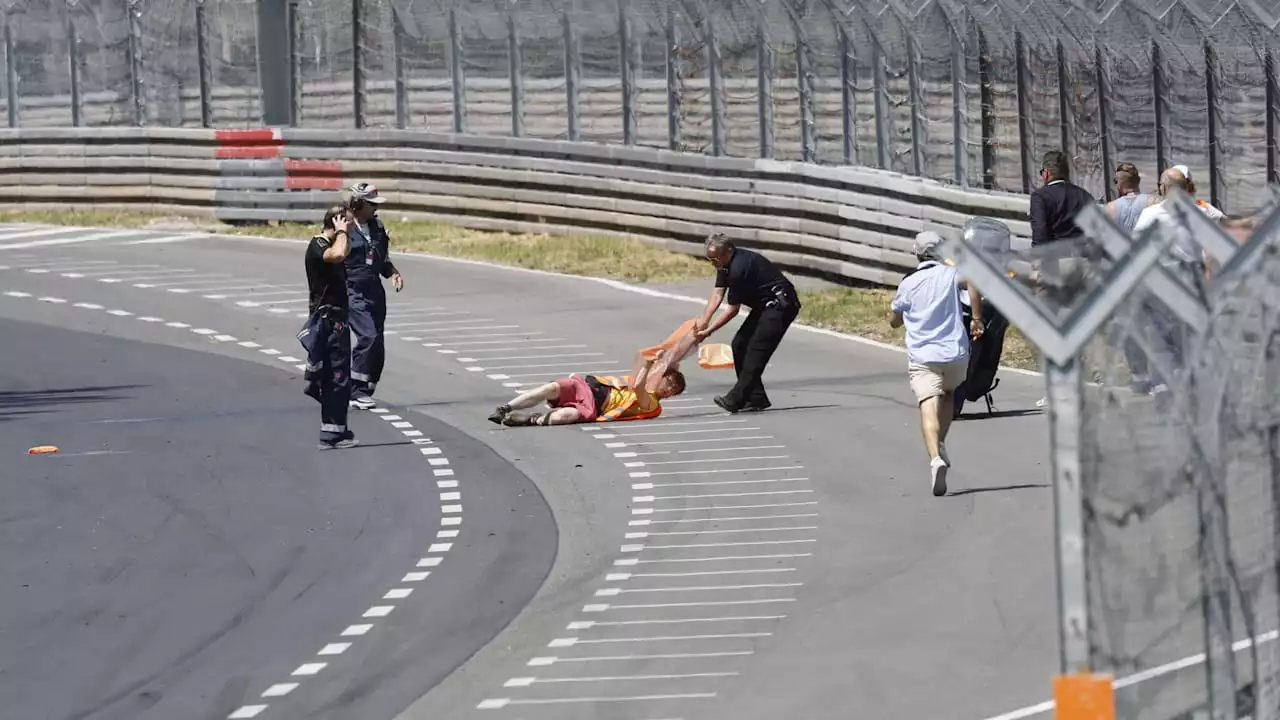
<point>1165,335</point>
<point>368,316</point>
<point>753,346</point>
<point>327,340</point>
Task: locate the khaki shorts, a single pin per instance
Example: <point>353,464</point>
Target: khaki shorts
<point>932,380</point>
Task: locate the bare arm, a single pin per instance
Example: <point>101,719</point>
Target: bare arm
<point>642,377</point>
<point>729,313</point>
<point>713,303</point>
<point>337,252</point>
<point>975,304</point>
<point>895,319</point>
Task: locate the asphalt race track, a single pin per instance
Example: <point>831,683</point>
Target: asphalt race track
<point>188,539</point>
<point>698,566</point>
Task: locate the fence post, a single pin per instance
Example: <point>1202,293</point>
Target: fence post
<point>203,69</point>
<point>402,86</point>
<point>627,61</point>
<point>457,75</point>
<point>1161,100</point>
<point>987,108</point>
<point>674,109</point>
<point>1273,97</point>
<point>1066,390</point>
<point>1216,591</point>
<point>515,63</point>
<point>764,88</point>
<point>295,70</point>
<point>73,57</point>
<point>1025,136</point>
<point>715,83</point>
<point>1104,119</point>
<point>883,131</point>
<point>917,107</point>
<point>804,84</point>
<point>357,63</point>
<point>960,104</point>
<point>135,64</point>
<point>848,96</point>
<point>1064,103</point>
<point>571,76</point>
<point>1216,190</point>
<point>11,71</point>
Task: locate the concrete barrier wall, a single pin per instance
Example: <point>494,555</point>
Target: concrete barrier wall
<point>852,224</point>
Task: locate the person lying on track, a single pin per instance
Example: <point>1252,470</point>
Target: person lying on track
<point>599,398</point>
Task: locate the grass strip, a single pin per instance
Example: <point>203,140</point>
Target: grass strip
<point>855,310</point>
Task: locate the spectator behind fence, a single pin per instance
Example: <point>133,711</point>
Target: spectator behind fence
<point>1239,227</point>
<point>1054,207</point>
<point>1125,209</point>
<point>928,303</point>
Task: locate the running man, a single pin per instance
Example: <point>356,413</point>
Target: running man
<point>599,398</point>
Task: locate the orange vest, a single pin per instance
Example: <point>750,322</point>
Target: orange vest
<point>622,398</point>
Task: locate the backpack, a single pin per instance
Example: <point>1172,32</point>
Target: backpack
<point>984,358</point>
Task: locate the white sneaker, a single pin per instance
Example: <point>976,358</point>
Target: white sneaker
<point>942,453</point>
<point>364,402</point>
<point>1042,402</point>
<point>938,467</point>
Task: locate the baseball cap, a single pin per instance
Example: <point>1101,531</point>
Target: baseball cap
<point>1186,171</point>
<point>927,243</point>
<point>367,192</point>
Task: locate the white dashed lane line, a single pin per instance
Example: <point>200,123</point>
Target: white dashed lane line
<point>687,468</point>
<point>403,589</point>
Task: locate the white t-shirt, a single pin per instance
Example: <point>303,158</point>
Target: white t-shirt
<point>1158,214</point>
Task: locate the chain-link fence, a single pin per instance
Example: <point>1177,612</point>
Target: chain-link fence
<point>965,91</point>
<point>1166,448</point>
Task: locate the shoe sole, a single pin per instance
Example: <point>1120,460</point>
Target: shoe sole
<point>940,481</point>
<point>339,446</point>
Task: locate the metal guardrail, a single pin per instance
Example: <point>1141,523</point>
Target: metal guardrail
<point>846,224</point>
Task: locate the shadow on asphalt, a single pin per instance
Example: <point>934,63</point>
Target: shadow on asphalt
<point>14,403</point>
<point>773,409</point>
<point>1001,414</point>
<point>996,488</point>
<point>364,444</point>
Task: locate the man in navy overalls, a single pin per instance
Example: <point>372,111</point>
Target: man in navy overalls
<point>367,264</point>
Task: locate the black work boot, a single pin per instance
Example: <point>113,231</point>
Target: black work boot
<point>499,414</point>
<point>517,419</point>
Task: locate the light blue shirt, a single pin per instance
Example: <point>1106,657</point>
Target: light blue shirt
<point>929,300</point>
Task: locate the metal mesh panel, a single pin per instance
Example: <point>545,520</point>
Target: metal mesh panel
<point>1178,451</point>
<point>102,29</point>
<point>903,84</point>
<point>324,49</point>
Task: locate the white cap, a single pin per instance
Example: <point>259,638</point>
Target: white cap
<point>366,192</point>
<point>926,243</point>
<point>1186,171</point>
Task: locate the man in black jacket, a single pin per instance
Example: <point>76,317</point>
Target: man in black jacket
<point>1054,207</point>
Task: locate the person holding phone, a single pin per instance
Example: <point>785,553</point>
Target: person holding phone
<point>325,336</point>
<point>367,264</point>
